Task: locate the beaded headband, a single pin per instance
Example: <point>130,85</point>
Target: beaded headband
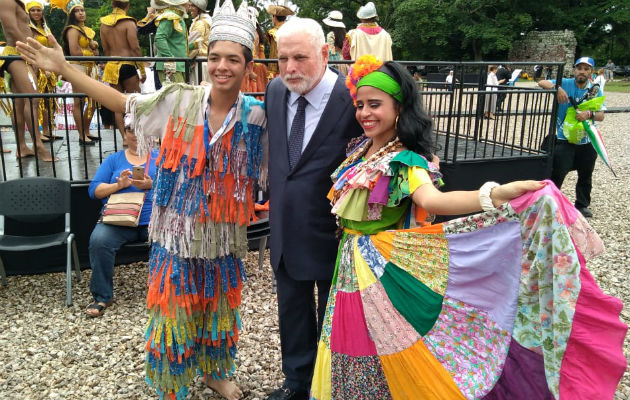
<point>231,25</point>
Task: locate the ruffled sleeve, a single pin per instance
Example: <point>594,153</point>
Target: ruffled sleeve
<point>409,172</point>
<point>378,194</point>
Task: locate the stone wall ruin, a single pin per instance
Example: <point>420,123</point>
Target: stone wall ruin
<point>546,46</point>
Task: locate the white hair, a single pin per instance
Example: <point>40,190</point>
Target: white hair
<point>297,25</point>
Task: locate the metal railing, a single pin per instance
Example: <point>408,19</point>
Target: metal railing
<point>461,132</point>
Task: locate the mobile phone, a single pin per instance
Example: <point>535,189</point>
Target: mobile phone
<point>137,173</point>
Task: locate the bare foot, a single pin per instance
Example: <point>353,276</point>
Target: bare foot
<point>44,155</point>
<point>225,388</point>
<point>4,150</point>
<point>24,153</point>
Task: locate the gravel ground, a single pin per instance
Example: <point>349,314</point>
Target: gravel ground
<point>49,351</point>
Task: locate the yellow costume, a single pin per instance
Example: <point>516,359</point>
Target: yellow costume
<point>272,68</point>
<point>118,14</point>
<point>198,35</point>
<point>87,67</point>
<point>46,81</point>
<point>86,37</point>
<point>8,51</point>
<point>111,74</point>
<point>277,10</point>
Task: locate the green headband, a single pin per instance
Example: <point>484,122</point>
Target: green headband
<point>384,82</point>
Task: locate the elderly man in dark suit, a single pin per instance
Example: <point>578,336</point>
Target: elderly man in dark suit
<point>310,118</point>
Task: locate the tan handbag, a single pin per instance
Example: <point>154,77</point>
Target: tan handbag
<point>123,209</point>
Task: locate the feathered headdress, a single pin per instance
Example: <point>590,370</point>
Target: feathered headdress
<point>361,67</point>
<point>66,5</point>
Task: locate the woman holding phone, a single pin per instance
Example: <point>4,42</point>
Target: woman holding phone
<point>124,171</point>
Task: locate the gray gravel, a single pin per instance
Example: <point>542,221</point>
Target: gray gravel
<point>48,351</point>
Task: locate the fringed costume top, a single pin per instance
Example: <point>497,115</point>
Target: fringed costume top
<point>498,305</point>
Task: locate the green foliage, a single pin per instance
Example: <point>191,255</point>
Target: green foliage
<point>459,29</point>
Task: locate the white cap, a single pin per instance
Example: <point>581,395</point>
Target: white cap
<point>367,11</point>
<point>200,4</point>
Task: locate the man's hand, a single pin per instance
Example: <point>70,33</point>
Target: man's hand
<point>49,59</point>
<point>583,115</point>
<point>562,96</point>
<point>504,193</point>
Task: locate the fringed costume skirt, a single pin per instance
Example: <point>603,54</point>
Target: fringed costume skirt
<point>194,319</point>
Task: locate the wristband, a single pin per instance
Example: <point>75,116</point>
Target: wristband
<point>484,196</point>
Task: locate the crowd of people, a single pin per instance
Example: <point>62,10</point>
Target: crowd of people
<point>374,300</point>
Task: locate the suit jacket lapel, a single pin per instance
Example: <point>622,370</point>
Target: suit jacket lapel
<point>334,110</point>
<point>283,141</point>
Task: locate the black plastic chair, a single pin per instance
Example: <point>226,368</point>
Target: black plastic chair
<point>257,235</point>
<point>38,200</point>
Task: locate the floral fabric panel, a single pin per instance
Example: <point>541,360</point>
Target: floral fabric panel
<point>586,239</point>
<point>485,266</point>
<point>474,222</point>
<point>346,278</point>
<point>470,346</point>
<point>423,256</point>
<point>327,323</point>
<point>389,330</point>
<point>547,296</point>
<point>358,378</point>
<point>371,255</point>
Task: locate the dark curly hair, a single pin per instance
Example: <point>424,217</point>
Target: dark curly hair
<point>414,124</point>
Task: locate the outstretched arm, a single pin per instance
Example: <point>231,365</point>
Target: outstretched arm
<point>465,202</point>
<point>52,59</point>
<point>562,95</point>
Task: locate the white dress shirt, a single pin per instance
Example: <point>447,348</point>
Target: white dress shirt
<point>317,99</point>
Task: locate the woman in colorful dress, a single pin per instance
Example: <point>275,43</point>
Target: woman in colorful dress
<point>78,40</point>
<point>498,305</point>
<point>46,81</point>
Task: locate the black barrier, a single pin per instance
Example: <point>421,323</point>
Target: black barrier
<point>472,149</point>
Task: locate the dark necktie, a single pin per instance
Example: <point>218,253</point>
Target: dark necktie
<point>296,137</point>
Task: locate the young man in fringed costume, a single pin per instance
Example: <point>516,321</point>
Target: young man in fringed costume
<point>211,157</point>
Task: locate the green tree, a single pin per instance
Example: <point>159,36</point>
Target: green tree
<point>601,27</point>
<point>459,29</point>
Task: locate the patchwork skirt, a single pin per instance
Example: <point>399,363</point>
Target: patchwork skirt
<point>499,305</point>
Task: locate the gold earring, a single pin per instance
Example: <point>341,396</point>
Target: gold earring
<point>396,123</point>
